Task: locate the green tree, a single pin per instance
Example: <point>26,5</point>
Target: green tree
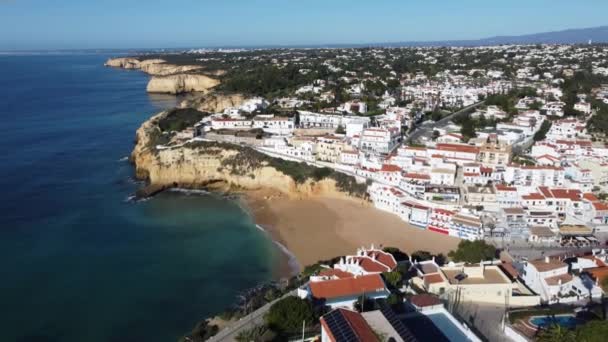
<point>468,129</point>
<point>203,331</point>
<point>436,135</point>
<point>422,255</point>
<point>287,314</point>
<point>536,105</point>
<point>394,299</point>
<point>556,333</point>
<point>259,333</point>
<point>364,304</point>
<point>340,130</point>
<point>594,331</point>
<point>473,251</point>
<point>604,284</point>
<point>398,254</point>
<point>440,259</point>
<point>541,134</point>
<point>393,278</point>
<point>436,115</point>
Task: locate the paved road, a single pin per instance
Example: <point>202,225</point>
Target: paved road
<point>253,319</point>
<point>519,249</point>
<point>428,129</point>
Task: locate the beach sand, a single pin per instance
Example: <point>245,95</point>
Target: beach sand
<point>321,228</point>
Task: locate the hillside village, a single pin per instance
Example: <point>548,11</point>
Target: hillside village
<point>502,146</point>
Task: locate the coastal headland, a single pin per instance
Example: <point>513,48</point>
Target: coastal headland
<point>315,213</point>
<point>168,78</point>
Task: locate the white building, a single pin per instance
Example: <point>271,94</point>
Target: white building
<point>379,140</point>
<point>549,277</point>
<point>274,125</point>
<point>251,105</point>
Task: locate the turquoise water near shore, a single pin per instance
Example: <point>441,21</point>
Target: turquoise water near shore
<point>79,262</point>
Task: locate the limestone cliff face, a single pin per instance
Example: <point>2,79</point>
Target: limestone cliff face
<point>181,83</point>
<point>125,63</point>
<point>167,78</point>
<point>201,164</point>
<point>134,63</point>
<point>155,66</point>
<point>168,69</point>
<point>214,102</point>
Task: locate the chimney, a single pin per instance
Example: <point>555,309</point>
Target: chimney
<point>547,259</point>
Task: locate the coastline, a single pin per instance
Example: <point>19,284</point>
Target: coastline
<point>322,227</point>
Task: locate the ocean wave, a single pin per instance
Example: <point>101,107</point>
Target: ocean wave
<point>261,228</point>
<point>123,159</point>
<point>189,191</point>
<point>292,261</point>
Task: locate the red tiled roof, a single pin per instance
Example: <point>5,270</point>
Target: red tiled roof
<point>501,187</point>
<point>433,278</point>
<point>486,169</point>
<point>390,168</point>
<point>509,269</point>
<point>600,206</point>
<point>333,272</point>
<point>356,323</point>
<point>458,148</point>
<point>414,205</point>
<point>384,258</point>
<point>347,286</point>
<point>370,265</point>
<point>598,272</point>
<point>534,196</point>
<point>417,175</point>
<point>548,156</point>
<point>424,300</point>
<point>443,211</point>
<point>572,194</point>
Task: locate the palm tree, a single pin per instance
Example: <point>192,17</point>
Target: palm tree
<point>556,333</point>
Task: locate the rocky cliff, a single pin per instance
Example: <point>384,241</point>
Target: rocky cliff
<point>203,164</point>
<point>167,78</point>
<point>181,83</point>
<point>213,102</point>
<point>155,67</point>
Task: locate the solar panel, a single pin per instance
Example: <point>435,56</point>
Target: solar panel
<point>339,327</point>
<point>399,327</point>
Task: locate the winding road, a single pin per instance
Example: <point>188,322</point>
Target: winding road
<point>423,130</point>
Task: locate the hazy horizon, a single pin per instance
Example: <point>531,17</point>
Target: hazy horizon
<point>155,24</point>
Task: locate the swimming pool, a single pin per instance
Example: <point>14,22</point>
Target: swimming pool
<point>566,321</point>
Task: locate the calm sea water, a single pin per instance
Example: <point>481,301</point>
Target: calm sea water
<point>77,261</point>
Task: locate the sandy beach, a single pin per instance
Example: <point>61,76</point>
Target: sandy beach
<point>321,228</point>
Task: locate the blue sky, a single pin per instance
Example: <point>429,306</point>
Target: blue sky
<point>60,24</point>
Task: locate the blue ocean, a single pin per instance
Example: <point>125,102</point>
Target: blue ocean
<point>78,260</point>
